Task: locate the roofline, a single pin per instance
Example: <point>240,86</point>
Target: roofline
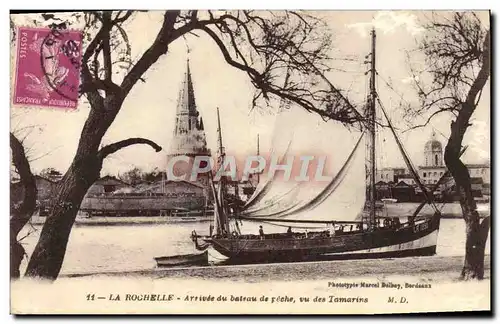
<point>393,168</point>
<point>432,167</point>
<point>477,165</point>
<point>115,178</point>
<point>169,181</point>
<point>471,165</point>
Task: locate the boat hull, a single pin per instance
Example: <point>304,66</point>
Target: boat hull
<point>409,240</point>
<point>187,219</point>
<point>177,260</point>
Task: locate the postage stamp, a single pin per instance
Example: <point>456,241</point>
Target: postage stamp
<point>47,71</point>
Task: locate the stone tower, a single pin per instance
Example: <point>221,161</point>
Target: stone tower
<point>189,133</point>
<point>433,152</point>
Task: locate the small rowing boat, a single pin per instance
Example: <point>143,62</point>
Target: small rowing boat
<point>186,259</point>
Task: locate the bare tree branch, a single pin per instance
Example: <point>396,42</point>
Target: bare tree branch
<point>453,50</point>
<point>100,44</point>
<point>153,53</point>
<point>123,18</point>
<point>112,148</point>
<point>267,45</point>
<point>106,50</point>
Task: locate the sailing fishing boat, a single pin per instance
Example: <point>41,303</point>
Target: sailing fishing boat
<point>370,236</point>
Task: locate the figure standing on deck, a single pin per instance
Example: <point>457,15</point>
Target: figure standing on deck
<point>332,229</point>
<point>261,232</point>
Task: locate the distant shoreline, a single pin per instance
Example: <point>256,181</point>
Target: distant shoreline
<point>125,220</point>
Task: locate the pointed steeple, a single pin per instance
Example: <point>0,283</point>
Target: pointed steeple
<point>187,104</point>
<point>200,126</point>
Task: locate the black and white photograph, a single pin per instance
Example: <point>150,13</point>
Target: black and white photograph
<point>250,162</point>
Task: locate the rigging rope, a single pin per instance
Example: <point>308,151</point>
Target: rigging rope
<point>436,186</point>
<point>407,160</point>
<point>406,101</point>
<point>393,90</point>
<point>446,174</point>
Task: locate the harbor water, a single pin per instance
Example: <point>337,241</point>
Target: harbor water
<point>126,247</point>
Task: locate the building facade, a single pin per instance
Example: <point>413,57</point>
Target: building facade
<point>431,175</point>
<point>385,175</point>
<point>158,198</point>
<point>390,174</point>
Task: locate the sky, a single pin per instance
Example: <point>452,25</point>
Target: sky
<point>149,110</point>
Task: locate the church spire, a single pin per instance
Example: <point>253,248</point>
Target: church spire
<point>187,104</point>
<point>200,126</point>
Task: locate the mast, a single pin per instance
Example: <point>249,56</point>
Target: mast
<point>220,159</point>
<point>371,122</point>
<point>162,182</point>
<point>219,132</point>
<point>224,221</point>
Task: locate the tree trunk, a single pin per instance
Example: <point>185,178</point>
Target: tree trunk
<point>48,256</point>
<point>16,257</point>
<point>476,237</point>
<point>20,215</point>
<point>476,231</point>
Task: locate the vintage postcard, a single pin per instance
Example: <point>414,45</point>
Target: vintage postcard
<point>250,162</point>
